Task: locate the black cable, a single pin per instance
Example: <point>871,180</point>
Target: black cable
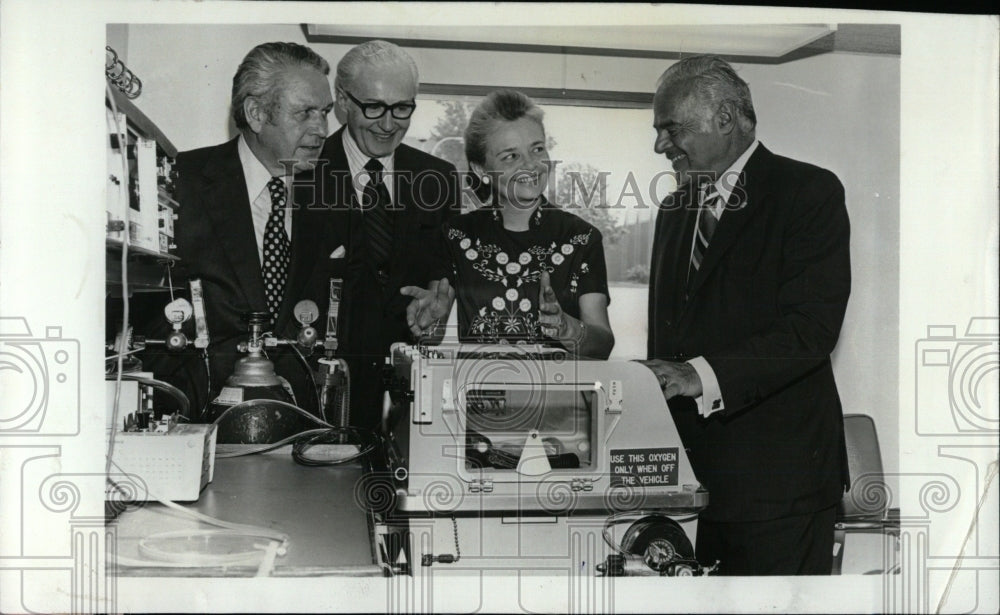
<point>250,403</point>
<point>312,378</point>
<point>265,448</point>
<point>208,379</point>
<point>166,387</point>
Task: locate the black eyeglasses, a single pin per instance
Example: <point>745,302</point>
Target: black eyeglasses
<point>375,110</point>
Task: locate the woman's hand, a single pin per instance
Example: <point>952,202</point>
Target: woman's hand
<point>429,306</point>
<point>550,314</point>
<point>587,336</point>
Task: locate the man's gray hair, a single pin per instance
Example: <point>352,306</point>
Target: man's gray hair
<point>369,54</point>
<point>259,75</point>
<point>714,81</point>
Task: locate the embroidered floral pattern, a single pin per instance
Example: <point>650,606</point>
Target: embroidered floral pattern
<point>507,310</point>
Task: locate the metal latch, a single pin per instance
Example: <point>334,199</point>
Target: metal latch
<point>484,485</point>
<point>581,484</point>
<point>447,398</point>
<point>420,402</point>
<point>615,396</point>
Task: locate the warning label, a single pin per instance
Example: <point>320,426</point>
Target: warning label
<point>643,467</point>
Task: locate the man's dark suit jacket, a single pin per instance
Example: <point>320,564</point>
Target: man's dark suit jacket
<point>216,243</point>
<point>373,315</point>
<point>765,310</point>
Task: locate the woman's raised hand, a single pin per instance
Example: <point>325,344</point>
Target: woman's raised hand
<point>550,314</point>
<point>429,305</point>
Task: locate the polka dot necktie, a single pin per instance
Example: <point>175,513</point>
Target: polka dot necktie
<point>377,221</point>
<point>277,248</point>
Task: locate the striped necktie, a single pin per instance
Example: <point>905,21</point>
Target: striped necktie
<point>707,201</point>
<point>277,248</point>
<point>377,220</point>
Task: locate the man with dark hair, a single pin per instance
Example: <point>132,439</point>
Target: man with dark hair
<point>398,199</point>
<point>749,281</point>
<point>241,230</point>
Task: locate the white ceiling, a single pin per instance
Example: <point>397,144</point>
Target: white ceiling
<point>770,41</point>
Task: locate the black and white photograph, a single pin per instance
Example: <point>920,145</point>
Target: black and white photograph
<point>433,307</point>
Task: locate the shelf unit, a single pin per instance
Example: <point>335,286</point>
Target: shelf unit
<point>146,269</point>
<point>140,205</point>
<point>142,124</point>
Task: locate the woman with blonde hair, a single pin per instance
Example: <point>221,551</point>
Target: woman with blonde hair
<point>523,270</point>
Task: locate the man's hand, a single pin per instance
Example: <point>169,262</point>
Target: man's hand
<point>429,305</point>
<point>675,378</point>
<point>550,314</point>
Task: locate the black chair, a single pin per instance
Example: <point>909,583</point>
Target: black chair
<point>865,506</point>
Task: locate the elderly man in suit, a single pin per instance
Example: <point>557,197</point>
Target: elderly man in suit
<point>240,228</point>
<point>397,199</point>
<point>750,277</point>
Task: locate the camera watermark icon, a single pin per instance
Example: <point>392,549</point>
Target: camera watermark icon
<point>58,540</point>
<point>943,552</point>
<point>956,379</point>
<point>40,379</point>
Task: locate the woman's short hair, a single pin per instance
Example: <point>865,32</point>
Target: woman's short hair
<point>372,53</point>
<point>714,81</point>
<point>498,106</point>
<point>259,74</point>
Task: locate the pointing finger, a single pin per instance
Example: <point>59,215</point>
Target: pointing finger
<point>444,289</point>
<point>546,295</point>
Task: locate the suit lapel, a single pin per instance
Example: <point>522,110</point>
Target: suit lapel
<point>404,201</point>
<point>743,205</point>
<point>688,206</point>
<point>341,195</point>
<point>340,172</point>
<point>406,214</point>
<point>229,209</point>
<point>327,190</point>
<point>674,226</point>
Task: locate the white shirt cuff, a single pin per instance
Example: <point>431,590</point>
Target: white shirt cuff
<point>711,397</point>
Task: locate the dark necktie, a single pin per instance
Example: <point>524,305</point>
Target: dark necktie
<point>277,248</point>
<point>707,222</point>
<point>378,221</point>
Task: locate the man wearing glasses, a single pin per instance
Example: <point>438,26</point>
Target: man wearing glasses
<point>396,198</point>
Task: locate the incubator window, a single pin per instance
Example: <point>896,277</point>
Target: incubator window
<point>500,420</point>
